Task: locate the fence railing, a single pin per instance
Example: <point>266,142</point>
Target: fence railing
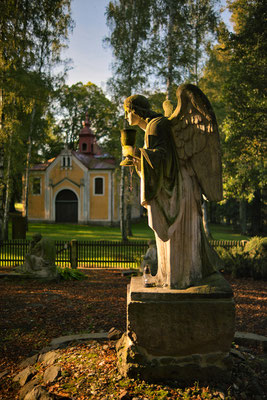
<point>90,254</point>
<point>227,244</point>
<point>83,254</point>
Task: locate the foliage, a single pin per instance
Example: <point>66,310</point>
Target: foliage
<point>250,261</point>
<point>74,101</point>
<point>180,31</point>
<point>236,72</point>
<point>256,247</point>
<point>235,82</point>
<point>129,23</point>
<point>71,274</point>
<point>32,36</point>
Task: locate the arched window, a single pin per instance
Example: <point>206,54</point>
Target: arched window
<point>99,186</point>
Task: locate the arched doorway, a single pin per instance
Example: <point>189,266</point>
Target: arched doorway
<point>66,206</point>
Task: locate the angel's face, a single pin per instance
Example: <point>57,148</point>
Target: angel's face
<point>132,117</point>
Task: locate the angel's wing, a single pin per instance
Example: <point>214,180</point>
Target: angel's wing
<point>196,136</point>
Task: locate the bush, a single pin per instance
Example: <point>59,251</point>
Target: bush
<point>71,274</point>
<point>257,246</point>
<point>250,261</point>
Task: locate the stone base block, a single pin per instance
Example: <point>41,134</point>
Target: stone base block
<point>182,335</point>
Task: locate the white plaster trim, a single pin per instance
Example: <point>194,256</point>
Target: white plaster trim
<point>63,181</point>
<point>86,197</point>
<point>47,196</point>
<point>110,196</point>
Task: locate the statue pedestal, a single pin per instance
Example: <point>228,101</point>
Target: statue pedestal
<point>182,335</point>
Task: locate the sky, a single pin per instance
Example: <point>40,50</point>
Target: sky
<point>91,61</point>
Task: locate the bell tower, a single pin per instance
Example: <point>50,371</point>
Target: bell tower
<point>87,140</point>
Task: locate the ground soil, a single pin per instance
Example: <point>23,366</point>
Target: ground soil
<point>34,312</point>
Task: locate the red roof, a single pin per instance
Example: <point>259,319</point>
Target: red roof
<point>43,166</point>
<point>89,161</point>
<point>95,162</point>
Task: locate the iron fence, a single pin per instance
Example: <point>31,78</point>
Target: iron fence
<point>90,254</point>
<point>107,254</point>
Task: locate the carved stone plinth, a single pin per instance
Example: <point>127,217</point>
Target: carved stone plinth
<point>182,335</point>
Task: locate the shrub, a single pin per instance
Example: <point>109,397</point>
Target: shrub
<point>71,274</point>
<point>257,247</point>
<point>250,261</point>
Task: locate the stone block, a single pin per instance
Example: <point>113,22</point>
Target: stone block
<point>186,334</point>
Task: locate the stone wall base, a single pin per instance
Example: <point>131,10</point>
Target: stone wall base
<point>135,362</point>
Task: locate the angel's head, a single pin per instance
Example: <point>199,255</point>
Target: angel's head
<point>137,108</point>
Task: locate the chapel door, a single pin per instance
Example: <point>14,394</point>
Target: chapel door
<point>66,206</point>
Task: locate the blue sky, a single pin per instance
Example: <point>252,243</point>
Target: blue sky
<point>91,62</point>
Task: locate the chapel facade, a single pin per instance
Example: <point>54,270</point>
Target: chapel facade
<point>76,186</point>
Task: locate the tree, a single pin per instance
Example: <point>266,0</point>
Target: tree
<point>242,87</point>
<point>180,30</point>
<point>129,23</point>
<point>32,36</point>
<point>179,36</point>
<point>168,49</point>
<point>202,21</point>
<point>74,101</point>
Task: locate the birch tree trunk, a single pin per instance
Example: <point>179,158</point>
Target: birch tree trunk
<point>1,190</point>
<point>26,182</point>
<point>243,216</point>
<point>7,197</point>
<point>170,53</point>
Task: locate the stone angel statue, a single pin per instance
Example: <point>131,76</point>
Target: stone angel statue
<point>179,163</point>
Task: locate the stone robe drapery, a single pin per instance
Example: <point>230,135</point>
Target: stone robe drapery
<point>172,196</point>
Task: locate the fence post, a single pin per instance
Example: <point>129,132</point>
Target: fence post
<point>74,253</point>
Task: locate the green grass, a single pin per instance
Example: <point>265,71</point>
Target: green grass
<point>141,231</point>
<point>225,232</point>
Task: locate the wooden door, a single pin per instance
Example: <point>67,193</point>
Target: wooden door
<point>66,206</point>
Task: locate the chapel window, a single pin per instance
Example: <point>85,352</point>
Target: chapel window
<point>36,186</point>
<point>99,186</point>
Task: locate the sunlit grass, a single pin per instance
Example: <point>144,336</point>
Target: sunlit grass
<point>67,232</point>
<point>140,230</point>
<point>87,232</point>
<point>225,232</point>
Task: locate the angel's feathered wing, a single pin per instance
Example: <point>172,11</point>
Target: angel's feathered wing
<point>196,136</point>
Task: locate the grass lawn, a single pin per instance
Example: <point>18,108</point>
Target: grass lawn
<point>140,230</point>
<point>225,232</point>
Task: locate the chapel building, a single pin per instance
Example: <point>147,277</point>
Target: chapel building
<point>76,186</point>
